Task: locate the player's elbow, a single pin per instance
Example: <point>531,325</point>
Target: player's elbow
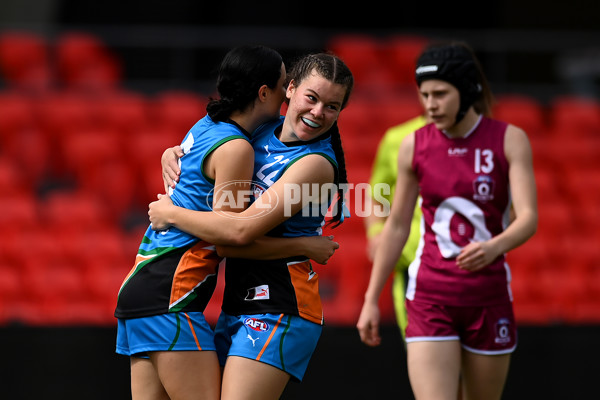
<point>531,218</point>
<point>241,235</point>
<point>534,224</point>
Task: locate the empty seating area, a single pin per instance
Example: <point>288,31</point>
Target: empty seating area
<point>80,161</point>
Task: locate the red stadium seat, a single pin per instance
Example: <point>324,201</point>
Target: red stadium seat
<point>63,282</point>
<point>19,212</point>
<point>585,312</point>
<point>17,302</point>
<point>361,130</point>
<point>85,62</point>
<point>17,113</point>
<point>401,53</point>
<point>530,297</point>
<point>53,279</point>
<point>395,110</point>
<point>356,119</point>
<point>358,172</point>
<point>530,256</point>
<point>542,289</point>
<point>592,275</point>
<point>84,313</point>
<point>145,149</point>
<point>10,287</point>
<point>124,111</point>
<point>178,111</point>
<point>363,55</point>
<point>22,139</point>
<point>575,116</point>
<point>66,111</point>
<point>151,186</point>
<point>19,248</point>
<point>31,152</point>
<point>556,219</point>
<point>582,253</point>
<point>583,183</point>
<point>85,150</point>
<point>523,111</point>
<point>575,153</point>
<point>116,185</point>
<point>74,211</point>
<point>100,247</point>
<point>63,115</point>
<point>99,162</point>
<point>13,181</point>
<point>534,312</point>
<point>546,152</point>
<point>107,265</point>
<point>25,60</point>
<point>104,283</point>
<point>548,182</point>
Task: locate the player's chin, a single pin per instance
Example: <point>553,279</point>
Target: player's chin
<point>442,124</point>
<point>307,134</point>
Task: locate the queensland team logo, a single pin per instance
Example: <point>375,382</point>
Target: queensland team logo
<point>503,331</point>
<point>239,195</point>
<point>483,187</point>
<point>256,324</point>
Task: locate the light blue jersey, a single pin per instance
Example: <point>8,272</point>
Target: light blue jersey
<point>175,271</point>
<point>289,285</point>
<point>272,158</point>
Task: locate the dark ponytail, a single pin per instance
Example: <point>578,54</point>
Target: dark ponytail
<point>341,177</point>
<point>242,72</point>
<point>220,109</point>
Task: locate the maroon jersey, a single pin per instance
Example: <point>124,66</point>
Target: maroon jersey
<point>463,184</point>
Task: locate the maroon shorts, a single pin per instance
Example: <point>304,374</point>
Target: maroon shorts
<point>482,330</point>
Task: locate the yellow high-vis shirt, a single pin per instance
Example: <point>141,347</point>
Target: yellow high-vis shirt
<point>385,170</point>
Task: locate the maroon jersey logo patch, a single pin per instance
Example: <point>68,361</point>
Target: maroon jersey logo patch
<point>483,188</point>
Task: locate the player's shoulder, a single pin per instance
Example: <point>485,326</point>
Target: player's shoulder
<point>268,127</point>
<point>236,146</point>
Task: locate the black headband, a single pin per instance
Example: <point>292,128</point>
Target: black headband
<point>453,64</point>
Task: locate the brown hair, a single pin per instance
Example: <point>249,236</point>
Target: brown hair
<point>332,68</point>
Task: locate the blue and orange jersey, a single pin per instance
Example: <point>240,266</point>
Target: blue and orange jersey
<point>173,270</point>
<point>290,285</point>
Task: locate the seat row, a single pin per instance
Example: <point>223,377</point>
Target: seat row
<point>75,59</point>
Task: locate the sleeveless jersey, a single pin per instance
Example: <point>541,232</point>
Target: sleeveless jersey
<point>465,197</point>
<point>288,286</point>
<point>173,270</point>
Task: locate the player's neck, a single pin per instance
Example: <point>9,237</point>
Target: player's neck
<point>465,126</point>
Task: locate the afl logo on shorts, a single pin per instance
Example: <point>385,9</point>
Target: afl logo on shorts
<point>256,324</point>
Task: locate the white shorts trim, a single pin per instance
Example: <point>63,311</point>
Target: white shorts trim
<point>432,339</point>
<point>490,352</point>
